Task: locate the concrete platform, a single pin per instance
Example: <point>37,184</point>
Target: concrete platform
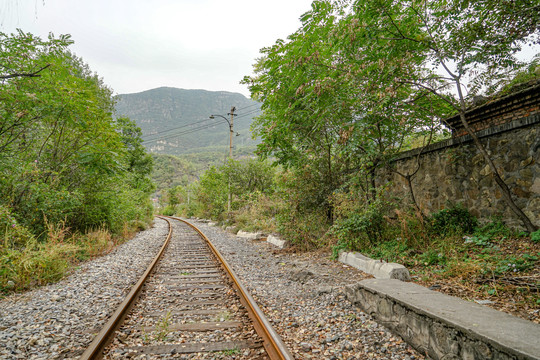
<point>445,327</point>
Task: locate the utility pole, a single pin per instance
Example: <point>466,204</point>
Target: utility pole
<point>231,131</point>
<point>230,153</point>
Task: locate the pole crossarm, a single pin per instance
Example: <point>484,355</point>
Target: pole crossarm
<point>221,116</point>
<point>231,131</point>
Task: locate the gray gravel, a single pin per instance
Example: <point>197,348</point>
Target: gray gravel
<point>60,320</point>
<point>302,295</point>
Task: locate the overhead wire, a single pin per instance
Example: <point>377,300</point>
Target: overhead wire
<point>185,132</point>
<point>198,122</point>
<point>192,130</point>
<point>179,127</point>
<point>249,106</point>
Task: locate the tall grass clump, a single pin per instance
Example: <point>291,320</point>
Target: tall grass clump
<point>27,261</point>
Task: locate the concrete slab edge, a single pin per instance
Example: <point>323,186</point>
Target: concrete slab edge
<point>250,235</point>
<point>377,268</point>
<point>274,240</point>
<point>435,335</point>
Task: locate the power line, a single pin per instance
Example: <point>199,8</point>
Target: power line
<point>192,130</point>
<point>247,107</point>
<point>249,113</point>
<point>179,127</point>
<point>197,122</point>
<point>185,132</point>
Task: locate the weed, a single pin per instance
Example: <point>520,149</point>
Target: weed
<point>223,316</point>
<point>393,250</point>
<point>535,237</point>
<point>494,228</point>
<point>515,264</point>
<point>162,327</point>
<point>185,273</point>
<point>98,241</point>
<point>462,268</point>
<point>338,248</point>
<point>146,337</point>
<point>480,240</point>
<point>433,257</point>
<point>233,351</point>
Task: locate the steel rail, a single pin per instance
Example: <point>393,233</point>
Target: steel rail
<point>272,342</point>
<point>103,338</point>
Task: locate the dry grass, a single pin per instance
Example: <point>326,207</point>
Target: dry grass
<point>37,263</point>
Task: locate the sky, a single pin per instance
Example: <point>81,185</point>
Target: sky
<point>136,45</point>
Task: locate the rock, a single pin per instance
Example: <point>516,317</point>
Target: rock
<point>484,302</point>
<point>302,276</point>
<point>325,290</point>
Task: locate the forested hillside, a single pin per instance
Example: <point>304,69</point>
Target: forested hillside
<point>176,121</point>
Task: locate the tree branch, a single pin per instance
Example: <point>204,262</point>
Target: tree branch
<point>15,75</point>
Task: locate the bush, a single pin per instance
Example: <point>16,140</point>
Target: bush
<point>363,228</point>
<point>168,210</point>
<point>453,221</point>
<point>304,230</point>
<point>13,234</point>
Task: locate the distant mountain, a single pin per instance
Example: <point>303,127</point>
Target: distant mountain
<point>176,121</point>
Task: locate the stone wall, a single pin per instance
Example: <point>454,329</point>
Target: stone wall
<point>453,171</point>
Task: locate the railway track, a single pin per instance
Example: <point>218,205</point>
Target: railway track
<point>187,305</point>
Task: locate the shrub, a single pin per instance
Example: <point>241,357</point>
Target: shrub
<point>453,221</point>
<point>363,228</point>
<point>168,210</point>
<point>303,230</point>
<point>13,234</point>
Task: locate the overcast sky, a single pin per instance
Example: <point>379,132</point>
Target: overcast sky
<point>136,45</point>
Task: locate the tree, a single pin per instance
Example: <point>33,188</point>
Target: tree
<point>62,155</point>
<point>326,111</point>
<point>462,46</point>
<point>23,58</point>
<point>361,77</point>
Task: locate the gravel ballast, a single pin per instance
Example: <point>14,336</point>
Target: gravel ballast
<point>59,321</point>
<point>301,294</point>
